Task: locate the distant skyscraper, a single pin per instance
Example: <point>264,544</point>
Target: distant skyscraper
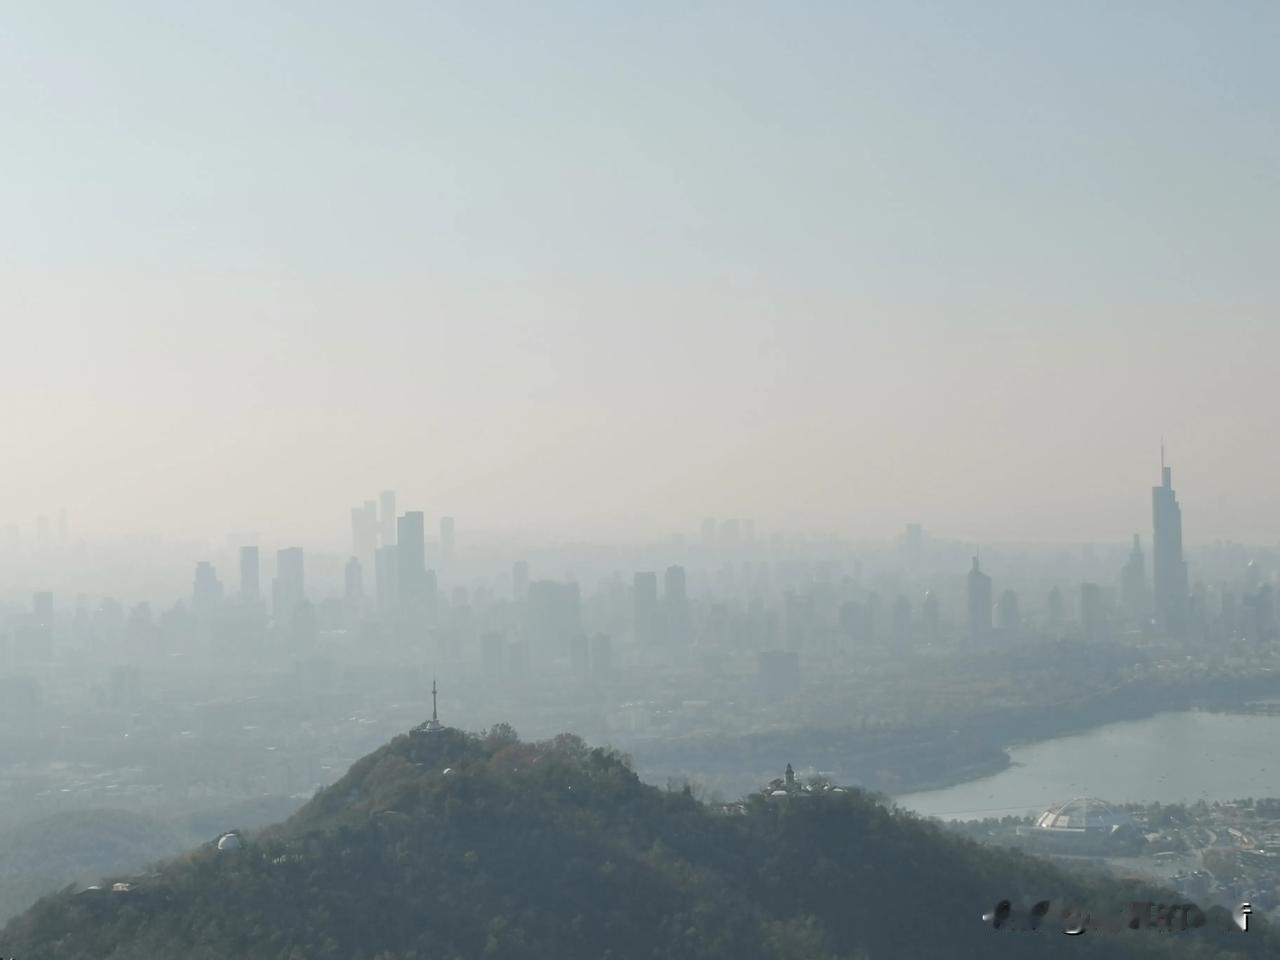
<point>1259,615</point>
<point>1008,617</point>
<point>645,600</point>
<point>250,577</point>
<point>387,518</point>
<point>446,540</point>
<point>1168,566</point>
<point>675,600</point>
<point>353,587</point>
<point>931,611</point>
<point>288,589</point>
<point>1133,584</point>
<point>411,562</point>
<point>709,533</point>
<point>979,603</point>
<point>206,591</point>
<point>520,580</point>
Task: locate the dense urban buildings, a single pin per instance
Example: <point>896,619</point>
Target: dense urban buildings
<point>726,593</point>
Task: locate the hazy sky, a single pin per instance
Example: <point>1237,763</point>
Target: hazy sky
<point>602,268</point>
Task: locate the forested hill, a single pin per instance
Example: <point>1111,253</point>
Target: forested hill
<point>448,845</point>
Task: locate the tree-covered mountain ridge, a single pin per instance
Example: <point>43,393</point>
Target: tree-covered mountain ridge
<point>453,846</point>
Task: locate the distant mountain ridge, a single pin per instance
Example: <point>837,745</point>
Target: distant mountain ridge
<point>455,846</point>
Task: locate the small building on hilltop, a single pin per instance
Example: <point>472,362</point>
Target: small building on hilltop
<point>788,786</point>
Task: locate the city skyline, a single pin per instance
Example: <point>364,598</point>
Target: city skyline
<point>563,615</point>
<point>407,572</point>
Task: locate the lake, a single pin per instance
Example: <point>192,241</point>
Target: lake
<point>1177,757</point>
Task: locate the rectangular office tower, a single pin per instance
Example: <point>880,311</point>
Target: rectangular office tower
<point>979,603</point>
<point>250,576</point>
<point>387,518</point>
<point>1168,567</point>
<point>411,573</point>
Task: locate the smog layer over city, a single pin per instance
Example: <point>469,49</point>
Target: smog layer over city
<point>686,480</point>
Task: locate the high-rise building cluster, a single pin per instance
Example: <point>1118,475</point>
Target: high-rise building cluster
<point>730,594</point>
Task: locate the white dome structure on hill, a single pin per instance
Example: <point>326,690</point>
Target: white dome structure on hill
<point>229,841</point>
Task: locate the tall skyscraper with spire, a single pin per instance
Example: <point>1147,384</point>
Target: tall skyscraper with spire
<point>1169,569</point>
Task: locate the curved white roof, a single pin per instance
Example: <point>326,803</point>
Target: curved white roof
<point>229,841</point>
<point>1083,813</point>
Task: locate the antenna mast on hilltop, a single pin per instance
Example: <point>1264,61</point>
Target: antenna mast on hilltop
<point>433,725</point>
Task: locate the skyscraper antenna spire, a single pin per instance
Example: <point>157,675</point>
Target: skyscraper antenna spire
<point>434,717</point>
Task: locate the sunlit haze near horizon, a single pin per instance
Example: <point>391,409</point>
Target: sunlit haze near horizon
<point>581,271</point>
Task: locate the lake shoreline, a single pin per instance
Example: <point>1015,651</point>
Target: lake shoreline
<point>897,762</point>
<point>1128,702</point>
<point>1123,762</point>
